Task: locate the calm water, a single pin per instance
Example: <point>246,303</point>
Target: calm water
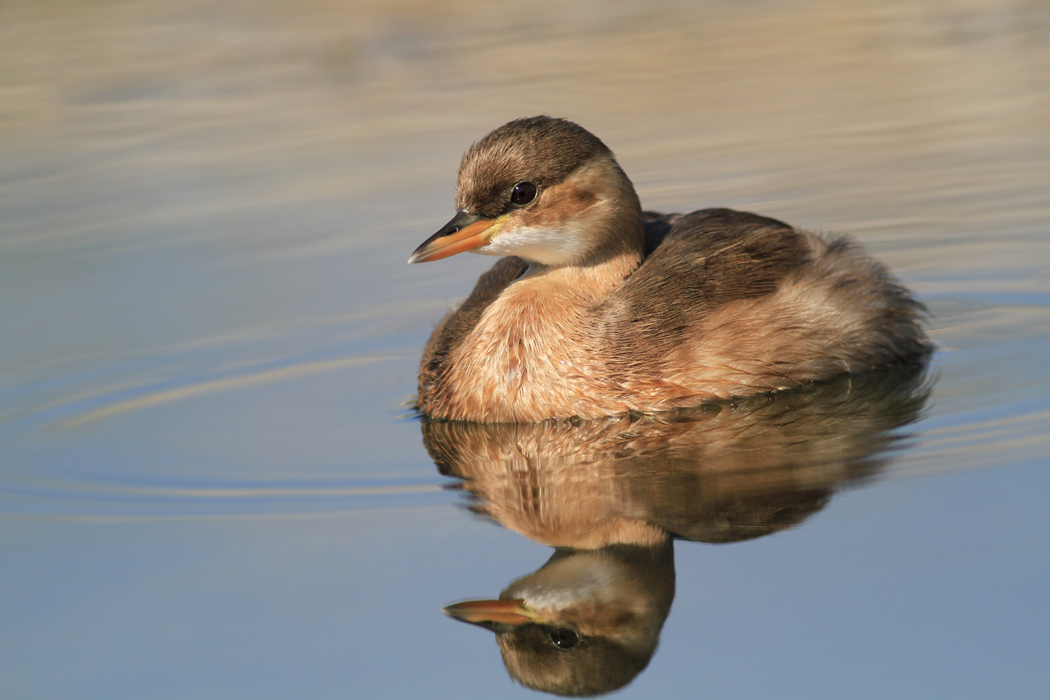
<point>209,483</point>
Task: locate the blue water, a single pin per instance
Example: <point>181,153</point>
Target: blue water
<point>211,482</point>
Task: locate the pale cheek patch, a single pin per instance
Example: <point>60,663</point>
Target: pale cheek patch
<point>548,246</point>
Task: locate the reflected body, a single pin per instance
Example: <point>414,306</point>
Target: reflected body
<point>602,309</point>
<point>611,494</point>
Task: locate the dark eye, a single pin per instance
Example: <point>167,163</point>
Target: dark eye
<point>564,638</point>
<point>523,193</point>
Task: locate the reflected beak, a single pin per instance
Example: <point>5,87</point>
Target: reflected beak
<point>465,232</point>
<point>496,615</point>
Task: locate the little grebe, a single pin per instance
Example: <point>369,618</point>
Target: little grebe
<point>601,308</point>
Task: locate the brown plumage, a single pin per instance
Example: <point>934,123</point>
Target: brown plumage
<point>600,309</point>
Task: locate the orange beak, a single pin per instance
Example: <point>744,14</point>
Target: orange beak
<point>465,232</point>
<point>497,615</point>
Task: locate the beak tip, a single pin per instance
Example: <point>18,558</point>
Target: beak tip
<point>464,233</point>
<point>492,614</point>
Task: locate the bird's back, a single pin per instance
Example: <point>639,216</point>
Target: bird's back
<point>729,303</point>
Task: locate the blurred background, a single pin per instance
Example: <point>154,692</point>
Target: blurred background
<point>210,485</point>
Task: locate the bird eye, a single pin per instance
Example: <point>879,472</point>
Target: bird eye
<point>523,193</point>
<point>564,638</point>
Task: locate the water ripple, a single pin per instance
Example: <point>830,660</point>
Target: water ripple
<point>162,396</point>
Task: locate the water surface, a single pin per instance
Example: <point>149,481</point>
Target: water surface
<point>210,483</point>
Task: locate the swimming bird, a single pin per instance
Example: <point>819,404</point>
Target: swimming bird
<point>599,308</point>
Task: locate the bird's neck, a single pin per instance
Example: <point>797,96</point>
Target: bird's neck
<point>591,280</point>
<point>575,285</point>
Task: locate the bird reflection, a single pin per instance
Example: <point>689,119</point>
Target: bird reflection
<point>587,622</point>
<point>610,495</point>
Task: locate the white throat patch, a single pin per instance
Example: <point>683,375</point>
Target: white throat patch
<point>549,246</point>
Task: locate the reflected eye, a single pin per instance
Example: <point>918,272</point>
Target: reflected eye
<point>523,193</point>
<point>564,638</point>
